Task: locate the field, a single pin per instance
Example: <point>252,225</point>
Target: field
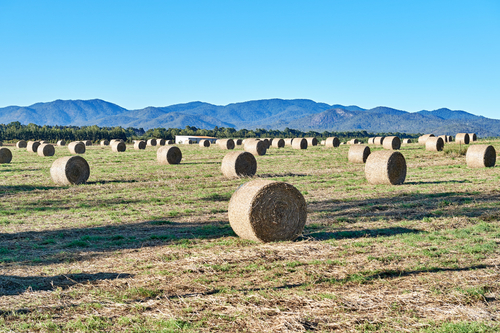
<point>145,247</point>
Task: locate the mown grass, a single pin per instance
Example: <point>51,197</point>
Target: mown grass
<point>145,247</point>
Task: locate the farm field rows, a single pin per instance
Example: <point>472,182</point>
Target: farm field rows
<point>144,247</point>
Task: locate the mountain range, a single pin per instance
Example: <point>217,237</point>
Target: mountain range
<point>301,114</point>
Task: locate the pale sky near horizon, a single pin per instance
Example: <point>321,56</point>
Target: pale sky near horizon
<point>406,55</point>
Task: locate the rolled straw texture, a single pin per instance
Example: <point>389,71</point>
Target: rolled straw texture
<point>118,147</point>
<point>379,140</point>
<point>434,144</point>
<point>160,142</point>
<point>169,142</point>
<point>21,144</point>
<point>61,143</point>
<point>472,137</point>
<point>267,142</point>
<point>278,143</point>
<point>151,142</point>
<point>104,142</point>
<point>450,138</point>
<point>226,143</point>
<point>312,142</point>
<point>444,137</point>
<point>238,142</point>
<point>5,155</point>
<point>76,147</point>
<point>32,146</point>
<point>358,154</point>
<point>239,164</point>
<point>256,147</point>
<point>353,141</point>
<point>46,149</point>
<point>332,142</point>
<point>70,170</point>
<point>88,142</point>
<point>392,142</point>
<point>422,139</point>
<point>139,144</point>
<point>204,143</point>
<point>371,141</point>
<point>299,143</point>
<point>406,141</point>
<point>385,167</point>
<point>481,156</point>
<point>266,211</point>
<point>288,142</point>
<point>169,155</point>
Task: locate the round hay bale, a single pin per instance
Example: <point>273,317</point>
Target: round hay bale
<point>450,138</point>
<point>322,142</point>
<point>278,143</point>
<point>139,144</point>
<point>104,142</point>
<point>88,142</point>
<point>288,142</point>
<point>118,147</point>
<point>42,142</point>
<point>70,170</point>
<point>238,164</point>
<point>45,149</point>
<point>151,142</point>
<point>462,138</point>
<point>160,142</point>
<point>256,147</point>
<point>226,143</point>
<point>358,154</point>
<point>169,142</point>
<point>472,137</point>
<point>32,146</point>
<point>188,142</point>
<point>444,137</point>
<point>115,140</point>
<point>299,143</point>
<point>312,142</point>
<point>204,143</point>
<point>332,142</point>
<point>385,167</point>
<point>434,144</point>
<point>267,142</point>
<point>76,147</point>
<point>169,155</point>
<point>406,141</point>
<point>21,144</point>
<point>481,156</point>
<point>5,155</point>
<point>61,143</point>
<point>353,142</point>
<point>238,142</point>
<point>392,142</point>
<point>423,138</point>
<point>371,141</point>
<point>379,140</point>
<point>266,211</point>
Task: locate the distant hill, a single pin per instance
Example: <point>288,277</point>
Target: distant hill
<point>301,114</point>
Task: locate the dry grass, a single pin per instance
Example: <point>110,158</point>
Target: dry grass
<point>144,247</point>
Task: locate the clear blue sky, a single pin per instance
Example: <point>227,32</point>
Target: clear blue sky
<point>410,55</point>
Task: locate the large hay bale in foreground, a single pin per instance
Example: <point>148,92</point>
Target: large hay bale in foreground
<point>76,147</point>
<point>392,142</point>
<point>5,155</point>
<point>407,141</point>
<point>385,167</point>
<point>61,143</point>
<point>151,142</point>
<point>70,170</point>
<point>312,142</point>
<point>265,211</point>
<point>481,156</point>
<point>204,143</point>
<point>434,144</point>
<point>46,149</point>
<point>239,164</point>
<point>332,141</point>
<point>379,140</point>
<point>104,142</point>
<point>88,142</point>
<point>278,143</point>
<point>21,144</point>
<point>256,147</point>
<point>423,138</point>
<point>226,143</point>
<point>139,145</point>
<point>299,143</point>
<point>358,154</point>
<point>169,155</point>
<point>118,147</point>
<point>32,146</point>
<point>472,137</point>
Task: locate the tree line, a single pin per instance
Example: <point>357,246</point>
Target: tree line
<point>16,131</point>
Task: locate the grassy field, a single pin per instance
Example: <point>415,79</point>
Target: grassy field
<point>145,247</point>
